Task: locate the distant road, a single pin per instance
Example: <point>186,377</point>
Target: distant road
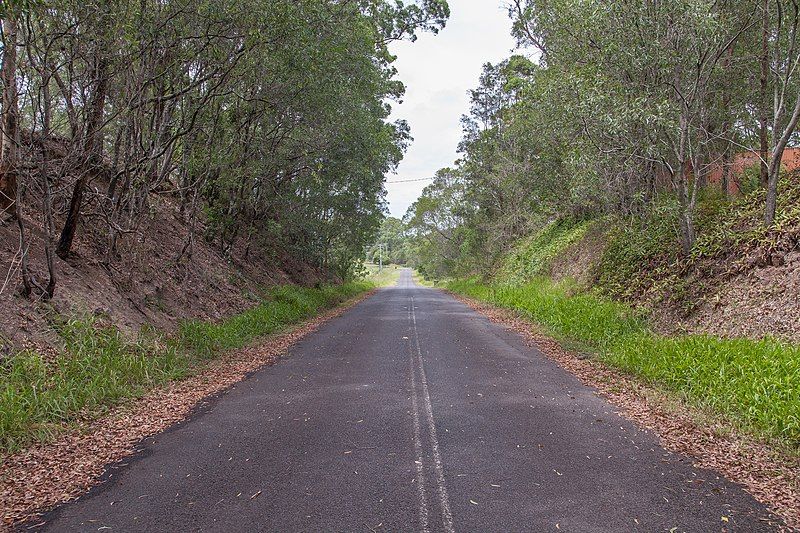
<point>410,412</point>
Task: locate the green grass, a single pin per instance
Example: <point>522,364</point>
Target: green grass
<point>40,396</point>
<point>382,278</point>
<point>754,384</point>
<point>534,255</point>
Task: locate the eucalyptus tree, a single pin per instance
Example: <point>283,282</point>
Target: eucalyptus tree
<point>783,50</point>
<point>645,75</point>
<point>436,224</point>
<point>266,120</point>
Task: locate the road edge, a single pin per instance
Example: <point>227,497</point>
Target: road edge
<point>771,478</point>
<point>45,475</point>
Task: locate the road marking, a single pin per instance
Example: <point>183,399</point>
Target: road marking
<point>444,501</point>
<point>418,457</point>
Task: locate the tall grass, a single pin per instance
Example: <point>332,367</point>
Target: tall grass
<point>753,383</point>
<point>99,367</point>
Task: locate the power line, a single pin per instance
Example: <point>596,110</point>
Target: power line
<point>409,181</point>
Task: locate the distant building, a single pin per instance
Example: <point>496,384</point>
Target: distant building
<point>744,160</point>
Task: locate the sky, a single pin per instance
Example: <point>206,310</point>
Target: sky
<point>438,71</point>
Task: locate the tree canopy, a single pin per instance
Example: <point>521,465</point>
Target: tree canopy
<point>614,108</point>
<point>265,120</point>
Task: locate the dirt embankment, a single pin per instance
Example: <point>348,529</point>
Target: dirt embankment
<point>762,302</point>
<point>154,279</point>
<point>737,294</point>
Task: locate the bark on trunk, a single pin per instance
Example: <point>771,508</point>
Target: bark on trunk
<point>775,164</point>
<point>93,149</point>
<point>763,103</point>
<point>10,120</point>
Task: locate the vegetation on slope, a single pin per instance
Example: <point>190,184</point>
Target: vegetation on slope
<point>642,260</point>
<point>534,255</point>
<point>581,124</point>
<point>266,122</point>
<point>40,395</point>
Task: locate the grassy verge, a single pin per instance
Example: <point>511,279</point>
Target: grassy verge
<point>382,278</point>
<point>40,396</point>
<point>754,384</point>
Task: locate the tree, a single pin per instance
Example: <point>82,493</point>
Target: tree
<point>9,137</point>
<point>267,121</point>
<point>784,69</point>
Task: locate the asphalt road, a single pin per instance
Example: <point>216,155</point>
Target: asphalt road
<point>410,412</point>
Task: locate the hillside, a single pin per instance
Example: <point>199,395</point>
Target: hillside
<point>740,279</point>
<point>155,280</point>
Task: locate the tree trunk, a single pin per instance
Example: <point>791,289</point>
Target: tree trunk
<point>93,146</point>
<point>727,131</point>
<point>10,120</point>
<point>727,169</point>
<point>686,200</point>
<point>772,199</point>
<point>782,132</point>
<point>775,164</point>
<point>763,104</point>
<point>48,194</point>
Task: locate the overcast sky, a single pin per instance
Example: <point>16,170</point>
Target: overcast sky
<point>438,70</point>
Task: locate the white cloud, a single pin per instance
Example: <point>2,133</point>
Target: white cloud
<point>438,70</point>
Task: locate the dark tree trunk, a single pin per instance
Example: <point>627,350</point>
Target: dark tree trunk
<point>10,120</point>
<point>93,146</point>
<point>763,103</point>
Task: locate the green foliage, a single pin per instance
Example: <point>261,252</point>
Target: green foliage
<point>606,110</point>
<point>99,368</point>
<point>392,243</point>
<point>640,250</point>
<point>271,117</point>
<point>642,257</point>
<point>736,229</point>
<point>754,383</point>
<point>435,224</point>
<point>534,255</point>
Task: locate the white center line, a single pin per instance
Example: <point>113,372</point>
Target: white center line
<point>447,515</point>
<point>418,457</point>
